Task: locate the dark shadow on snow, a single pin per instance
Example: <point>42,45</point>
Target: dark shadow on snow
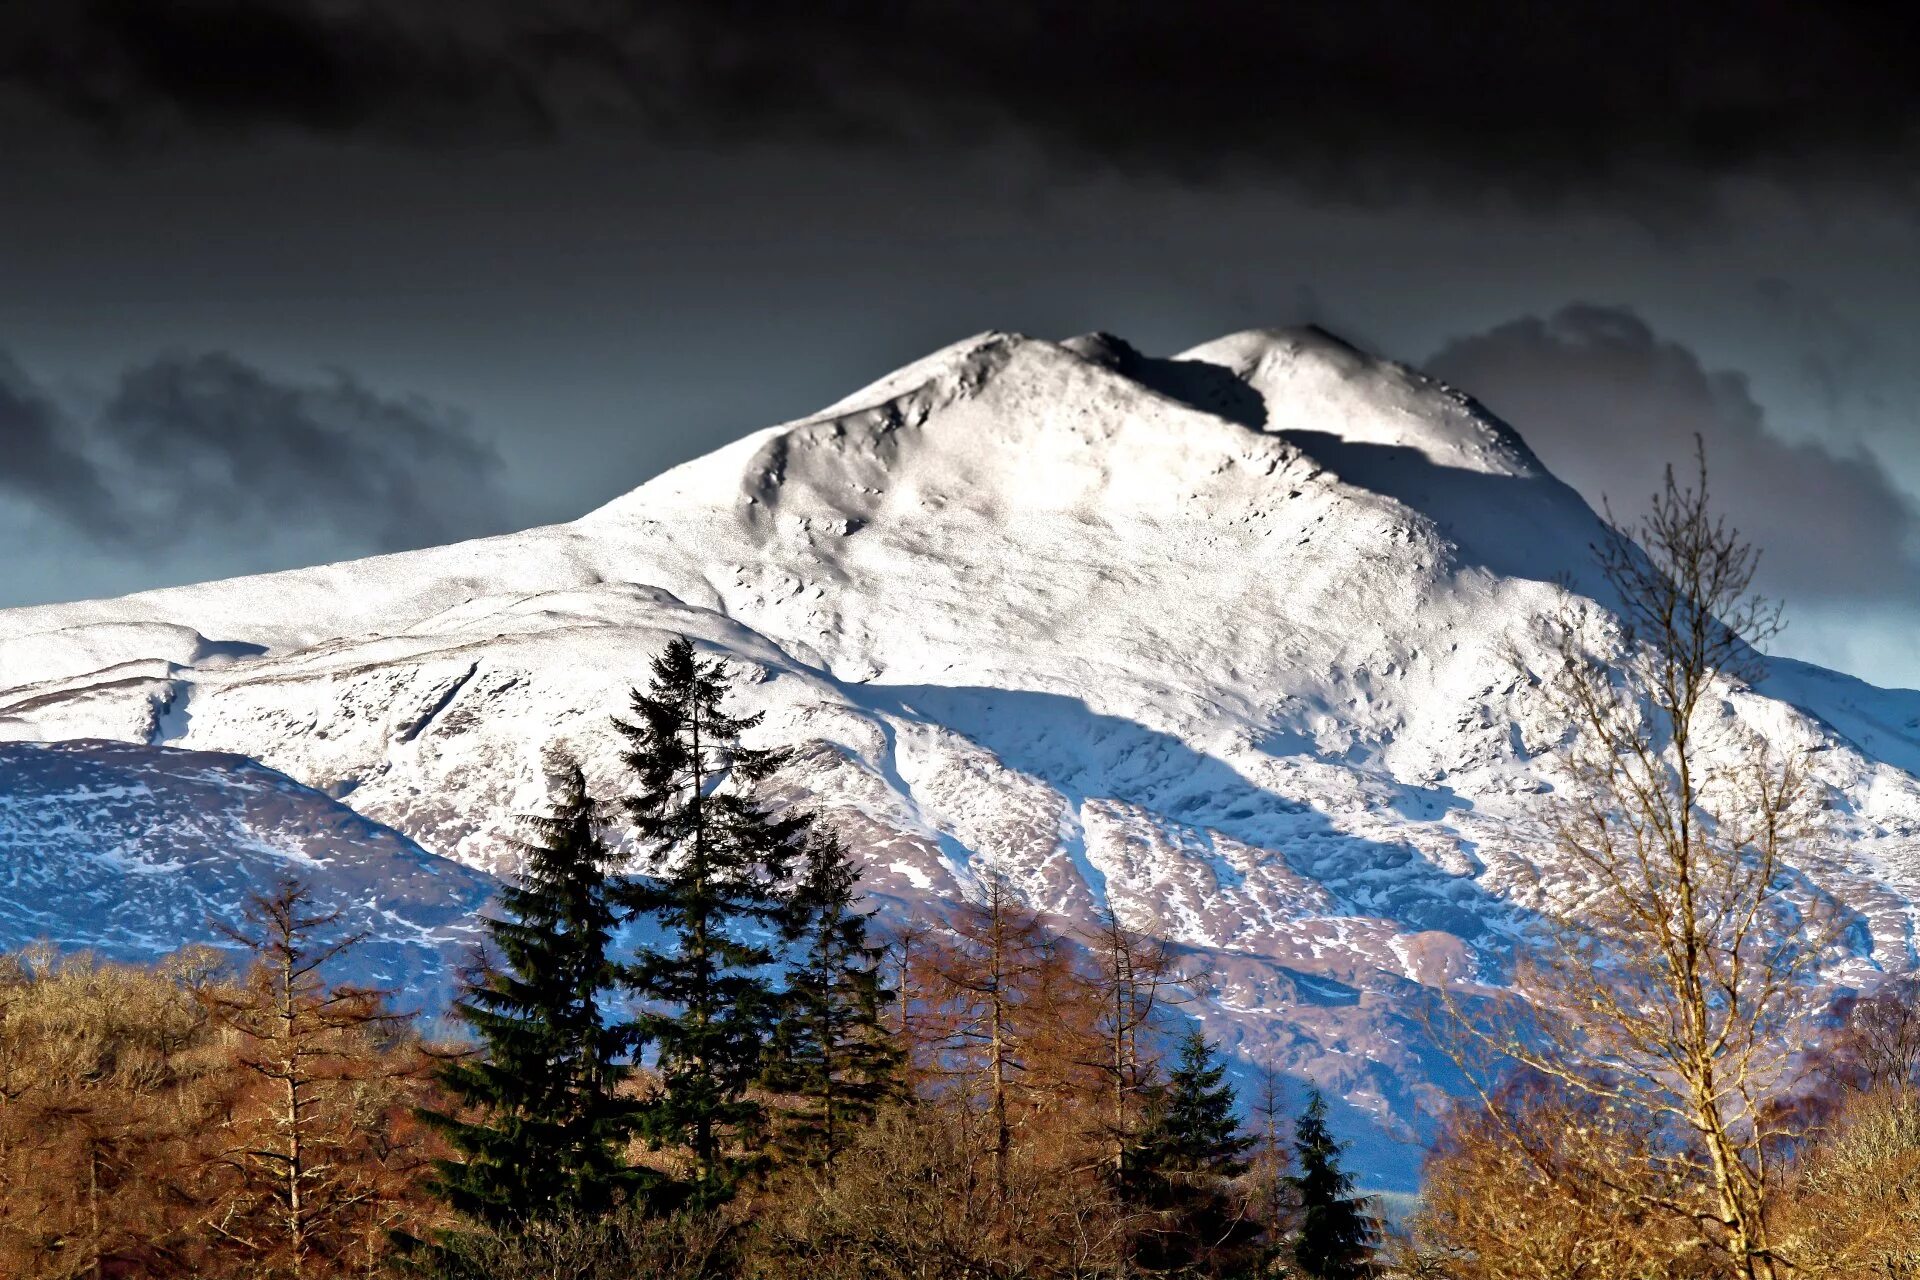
<point>1198,384</point>
<point>1089,756</point>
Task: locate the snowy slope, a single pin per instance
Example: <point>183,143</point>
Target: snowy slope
<point>133,851</point>
<point>1219,639</point>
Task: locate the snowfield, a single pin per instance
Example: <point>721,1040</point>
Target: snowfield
<point>1224,640</point>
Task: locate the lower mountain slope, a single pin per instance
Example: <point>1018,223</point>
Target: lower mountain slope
<point>132,851</point>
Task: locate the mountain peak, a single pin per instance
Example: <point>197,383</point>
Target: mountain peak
<point>1003,429</point>
<point>1303,382</point>
<point>1320,384</point>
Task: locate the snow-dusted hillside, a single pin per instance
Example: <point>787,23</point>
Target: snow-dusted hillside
<point>1220,639</point>
<point>133,851</point>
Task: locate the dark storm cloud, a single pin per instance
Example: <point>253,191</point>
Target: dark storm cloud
<point>240,450</point>
<point>205,446</point>
<point>38,461</point>
<point>1360,99</point>
<point>130,69</point>
<point>1607,403</point>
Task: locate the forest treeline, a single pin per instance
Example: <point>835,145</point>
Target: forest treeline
<point>690,1052</point>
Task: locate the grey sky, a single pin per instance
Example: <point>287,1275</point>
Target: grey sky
<point>525,319</point>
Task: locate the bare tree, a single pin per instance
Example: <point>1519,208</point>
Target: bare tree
<point>1675,971</point>
<point>1879,1044</point>
<point>908,955</point>
<point>1274,1194</point>
<point>1854,1208</point>
<point>99,1109</point>
<point>1552,1185</point>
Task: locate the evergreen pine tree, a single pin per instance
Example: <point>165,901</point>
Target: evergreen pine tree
<point>1336,1231</point>
<point>831,1049</point>
<point>549,1141</point>
<point>1194,1129</point>
<point>1191,1150</point>
<point>710,1004</point>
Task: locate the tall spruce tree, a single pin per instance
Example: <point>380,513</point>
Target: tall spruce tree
<point>1191,1150</point>
<point>831,1050</point>
<point>549,1141</point>
<point>710,1004</point>
<point>1337,1231</point>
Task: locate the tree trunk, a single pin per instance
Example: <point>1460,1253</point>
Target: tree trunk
<point>700,1007</point>
<point>1002,1129</point>
<point>829,1126</point>
<point>295,1122</point>
<point>93,1206</point>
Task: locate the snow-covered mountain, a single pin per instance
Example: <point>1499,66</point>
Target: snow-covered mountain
<point>1222,640</point>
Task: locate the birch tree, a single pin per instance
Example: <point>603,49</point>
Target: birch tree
<point>1677,969</point>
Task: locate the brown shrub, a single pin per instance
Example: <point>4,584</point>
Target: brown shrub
<point>915,1199</point>
<point>624,1246</point>
<point>1853,1202</point>
<point>1542,1186</point>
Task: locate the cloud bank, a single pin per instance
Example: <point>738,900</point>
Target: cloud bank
<point>1607,403</point>
<point>41,462</point>
<point>188,449</point>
